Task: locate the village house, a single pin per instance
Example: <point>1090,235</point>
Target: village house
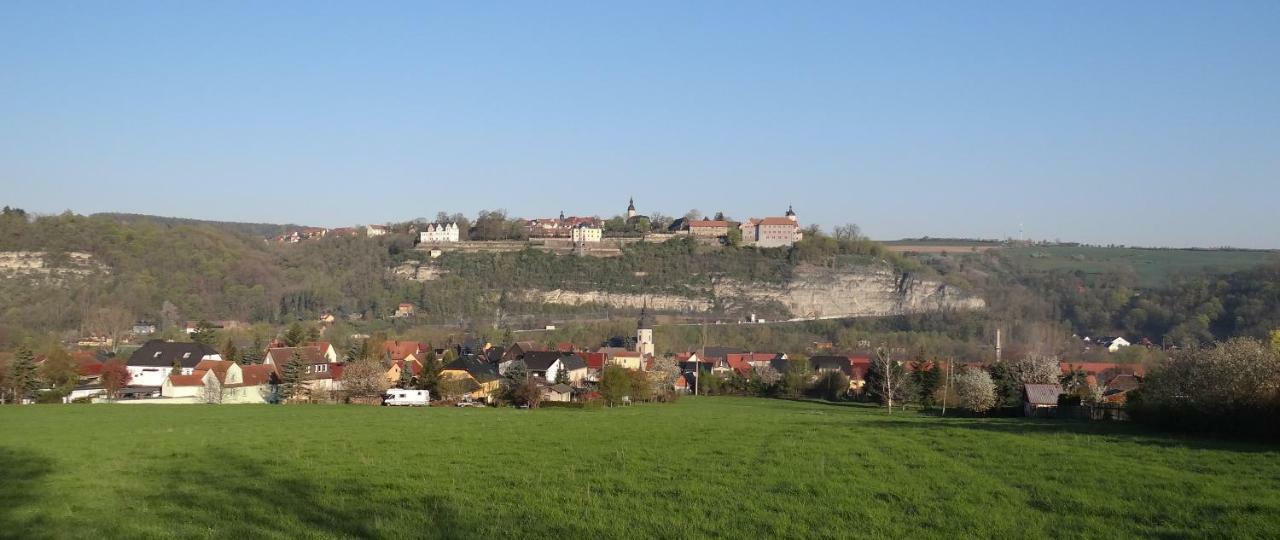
<point>404,310</point>
<point>221,381</point>
<point>375,230</point>
<point>584,233</point>
<point>150,365</point>
<point>1040,400</point>
<point>479,380</point>
<point>317,371</point>
<point>439,233</point>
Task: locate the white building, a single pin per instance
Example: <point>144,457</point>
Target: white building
<point>584,233</point>
<point>375,230</point>
<point>151,364</point>
<point>436,233</point>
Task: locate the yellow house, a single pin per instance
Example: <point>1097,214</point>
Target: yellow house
<point>478,379</point>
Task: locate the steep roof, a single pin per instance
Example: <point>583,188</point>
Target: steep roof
<point>595,360</point>
<point>573,361</point>
<point>256,374</point>
<point>540,360</point>
<point>194,379</point>
<point>400,349</point>
<point>475,366</point>
<point>160,353</point>
<point>1043,394</point>
<point>218,367</point>
<point>281,355</point>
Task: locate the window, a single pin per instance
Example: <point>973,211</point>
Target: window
<point>186,355</point>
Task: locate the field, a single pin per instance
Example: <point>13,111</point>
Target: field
<point>731,467</point>
<point>1152,266</point>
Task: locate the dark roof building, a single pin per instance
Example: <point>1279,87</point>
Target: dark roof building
<point>476,366</point>
<point>160,353</point>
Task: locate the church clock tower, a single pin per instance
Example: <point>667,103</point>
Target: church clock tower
<point>644,332</point>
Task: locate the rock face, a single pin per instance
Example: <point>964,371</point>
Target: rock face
<point>869,292</point>
<point>41,264</point>
<point>659,302</point>
<point>811,294</point>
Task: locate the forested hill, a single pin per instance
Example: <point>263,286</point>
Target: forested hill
<point>251,229</point>
<point>172,270</point>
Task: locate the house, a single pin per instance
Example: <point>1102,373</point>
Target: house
<point>575,368</point>
<point>317,371</point>
<point>1116,391</point>
<point>558,392</point>
<point>397,350</point>
<point>144,328</point>
<point>584,233</point>
<point>326,349</point>
<point>548,364</point>
<point>1113,344</point>
<point>772,231</point>
<point>705,228</point>
<point>150,365</point>
<point>517,350</point>
<point>375,230</point>
<point>1040,399</point>
<point>221,381</point>
<point>479,379</point>
<point>404,310</point>
<point>439,233</point>
<point>627,359</point>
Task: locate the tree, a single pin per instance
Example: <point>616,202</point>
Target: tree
<point>664,372</point>
<point>1275,341</point>
<point>111,323</point>
<point>429,377</point>
<point>23,378</point>
<point>848,233</point>
<point>1035,369</point>
<point>832,386</point>
<point>295,334</point>
<point>615,384</point>
<point>211,392</point>
<point>975,390</point>
<point>364,379</point>
<point>516,374</point>
<point>1008,388</point>
<point>229,351</point>
<point>406,374</point>
<point>640,387</point>
<point>255,352</point>
<point>795,381</point>
<point>205,334</point>
<point>169,315</point>
<point>562,376</point>
<point>292,377</point>
<point>115,375</point>
<point>527,394</point>
<point>59,371</point>
<point>886,380</point>
<point>175,368</point>
<point>1230,387</point>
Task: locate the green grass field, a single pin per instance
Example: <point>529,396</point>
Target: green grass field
<point>1153,266</point>
<point>730,467</point>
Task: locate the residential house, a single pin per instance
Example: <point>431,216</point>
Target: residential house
<point>772,231</point>
<point>1116,391</point>
<point>548,364</point>
<point>404,310</point>
<point>439,233</point>
<point>413,351</point>
<point>375,230</point>
<point>221,381</point>
<point>479,379</point>
<point>1113,344</point>
<point>317,371</point>
<point>326,349</point>
<point>557,392</point>
<point>144,328</point>
<point>150,365</point>
<point>1040,399</point>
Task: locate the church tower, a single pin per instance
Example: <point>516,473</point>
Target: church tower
<point>631,208</point>
<point>644,332</point>
<point>791,214</point>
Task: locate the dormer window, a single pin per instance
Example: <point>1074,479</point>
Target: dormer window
<point>157,355</point>
<point>186,355</point>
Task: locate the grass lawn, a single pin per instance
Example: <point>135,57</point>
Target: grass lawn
<point>731,467</point>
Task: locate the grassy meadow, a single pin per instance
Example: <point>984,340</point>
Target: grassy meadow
<point>730,467</point>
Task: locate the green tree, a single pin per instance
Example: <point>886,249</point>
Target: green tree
<point>406,374</point>
<point>295,334</point>
<point>516,373</point>
<point>292,377</point>
<point>926,379</point>
<point>615,383</point>
<point>205,334</point>
<point>59,371</point>
<point>23,378</point>
<point>429,377</point>
<point>562,376</point>
<point>795,381</point>
<point>1275,341</point>
<point>229,351</point>
<point>175,368</point>
<point>254,354</point>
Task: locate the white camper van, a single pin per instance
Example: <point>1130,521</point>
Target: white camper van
<point>407,398</point>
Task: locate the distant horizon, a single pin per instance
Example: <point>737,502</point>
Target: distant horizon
<point>825,229</point>
<point>1136,123</point>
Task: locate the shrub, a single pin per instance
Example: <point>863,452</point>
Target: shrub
<point>975,390</point>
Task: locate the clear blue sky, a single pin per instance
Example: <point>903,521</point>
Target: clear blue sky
<point>1146,123</point>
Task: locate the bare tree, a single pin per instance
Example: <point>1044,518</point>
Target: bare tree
<point>111,323</point>
<point>212,392</point>
<point>848,232</point>
<point>364,379</point>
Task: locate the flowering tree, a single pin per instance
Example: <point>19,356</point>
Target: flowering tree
<point>1037,369</point>
<point>975,390</point>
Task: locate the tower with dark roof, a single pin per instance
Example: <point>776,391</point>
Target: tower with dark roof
<point>644,331</point>
<point>631,207</point>
<point>791,214</point>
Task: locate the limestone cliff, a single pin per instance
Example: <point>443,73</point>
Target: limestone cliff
<point>811,294</point>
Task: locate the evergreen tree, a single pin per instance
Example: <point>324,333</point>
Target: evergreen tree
<point>516,374</point>
<point>229,351</point>
<point>292,377</point>
<point>175,369</point>
<point>429,377</point>
<point>562,376</point>
<point>406,374</point>
<point>205,334</point>
<point>1008,389</point>
<point>926,380</point>
<point>23,377</point>
<point>295,334</point>
<point>313,333</point>
<point>253,355</point>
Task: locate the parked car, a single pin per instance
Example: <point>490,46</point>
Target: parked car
<point>468,402</point>
<point>406,398</point>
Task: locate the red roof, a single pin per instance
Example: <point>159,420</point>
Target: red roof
<point>777,221</point>
<point>256,374</point>
<point>194,379</point>
<point>400,349</point>
<point>565,346</point>
<point>739,363</point>
<point>709,223</point>
<point>595,360</point>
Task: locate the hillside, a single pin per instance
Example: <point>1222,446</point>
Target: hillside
<point>250,229</point>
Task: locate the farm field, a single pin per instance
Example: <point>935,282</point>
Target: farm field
<point>1153,267</point>
<point>729,467</point>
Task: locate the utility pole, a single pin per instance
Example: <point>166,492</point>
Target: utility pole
<point>997,345</point>
<point>946,386</point>
<point>697,368</point>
